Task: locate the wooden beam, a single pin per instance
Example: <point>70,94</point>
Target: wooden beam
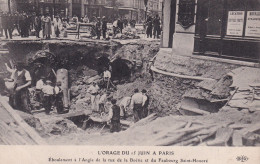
<point>195,110</point>
<point>29,130</point>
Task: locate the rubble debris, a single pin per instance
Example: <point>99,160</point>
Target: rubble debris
<point>245,78</point>
<point>219,129</point>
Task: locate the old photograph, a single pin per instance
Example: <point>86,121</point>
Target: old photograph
<point>130,73</point>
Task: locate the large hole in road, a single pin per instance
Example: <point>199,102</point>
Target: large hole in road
<point>89,60</point>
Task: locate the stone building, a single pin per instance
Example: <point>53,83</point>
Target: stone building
<point>219,28</point>
<point>130,9</point>
<point>4,6</point>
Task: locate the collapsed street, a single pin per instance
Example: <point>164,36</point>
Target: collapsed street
<point>188,105</point>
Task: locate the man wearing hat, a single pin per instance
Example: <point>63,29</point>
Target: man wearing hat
<point>104,27</point>
<point>22,80</point>
<point>98,28</point>
<point>114,117</point>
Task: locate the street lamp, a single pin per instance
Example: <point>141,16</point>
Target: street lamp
<point>145,4</point>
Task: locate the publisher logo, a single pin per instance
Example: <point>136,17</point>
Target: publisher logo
<point>242,158</point>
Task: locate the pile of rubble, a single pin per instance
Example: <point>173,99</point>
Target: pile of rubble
<point>219,129</point>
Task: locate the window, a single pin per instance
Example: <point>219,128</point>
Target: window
<point>186,13</point>
<point>243,18</point>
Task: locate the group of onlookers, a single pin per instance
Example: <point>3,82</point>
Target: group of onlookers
<point>26,23</point>
<point>153,27</point>
<point>20,21</point>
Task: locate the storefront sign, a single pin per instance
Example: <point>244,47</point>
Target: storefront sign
<point>253,24</point>
<point>235,23</point>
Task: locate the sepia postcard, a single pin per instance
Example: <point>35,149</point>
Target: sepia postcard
<point>130,81</point>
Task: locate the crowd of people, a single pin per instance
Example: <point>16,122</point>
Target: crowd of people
<point>26,24</point>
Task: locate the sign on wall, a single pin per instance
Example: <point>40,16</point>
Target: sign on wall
<point>235,23</point>
<point>253,24</point>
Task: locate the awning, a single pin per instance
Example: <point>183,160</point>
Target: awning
<point>126,8</point>
<point>107,7</point>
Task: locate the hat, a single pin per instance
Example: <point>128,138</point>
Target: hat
<point>19,63</point>
<point>144,91</point>
<point>48,81</point>
<point>113,101</point>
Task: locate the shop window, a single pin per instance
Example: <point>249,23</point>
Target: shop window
<point>214,17</point>
<point>186,13</point>
<point>243,18</point>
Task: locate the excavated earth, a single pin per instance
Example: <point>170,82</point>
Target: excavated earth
<point>85,60</point>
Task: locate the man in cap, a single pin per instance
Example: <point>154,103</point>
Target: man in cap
<point>22,80</point>
<point>114,117</point>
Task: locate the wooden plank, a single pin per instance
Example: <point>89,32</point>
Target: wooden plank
<point>237,139</point>
<point>222,137</point>
<point>74,114</point>
<point>195,110</point>
<point>29,130</point>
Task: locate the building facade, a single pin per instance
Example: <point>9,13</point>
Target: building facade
<point>129,9</point>
<point>4,6</point>
<point>220,28</point>
<point>52,7</point>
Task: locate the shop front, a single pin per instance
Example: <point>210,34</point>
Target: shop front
<point>228,28</point>
<point>53,9</point>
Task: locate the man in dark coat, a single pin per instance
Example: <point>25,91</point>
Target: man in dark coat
<point>104,27</point>
<point>7,21</point>
<point>1,23</point>
<point>98,28</point>
<point>114,117</point>
<point>149,29</point>
<point>120,25</point>
<point>156,26</point>
<point>38,25</point>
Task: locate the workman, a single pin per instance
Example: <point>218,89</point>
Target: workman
<point>102,101</point>
<point>137,105</point>
<point>145,103</point>
<point>114,117</point>
<point>48,96</point>
<point>58,93</point>
<point>22,80</point>
<point>38,89</point>
<point>93,90</point>
<point>124,106</point>
<point>107,77</point>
